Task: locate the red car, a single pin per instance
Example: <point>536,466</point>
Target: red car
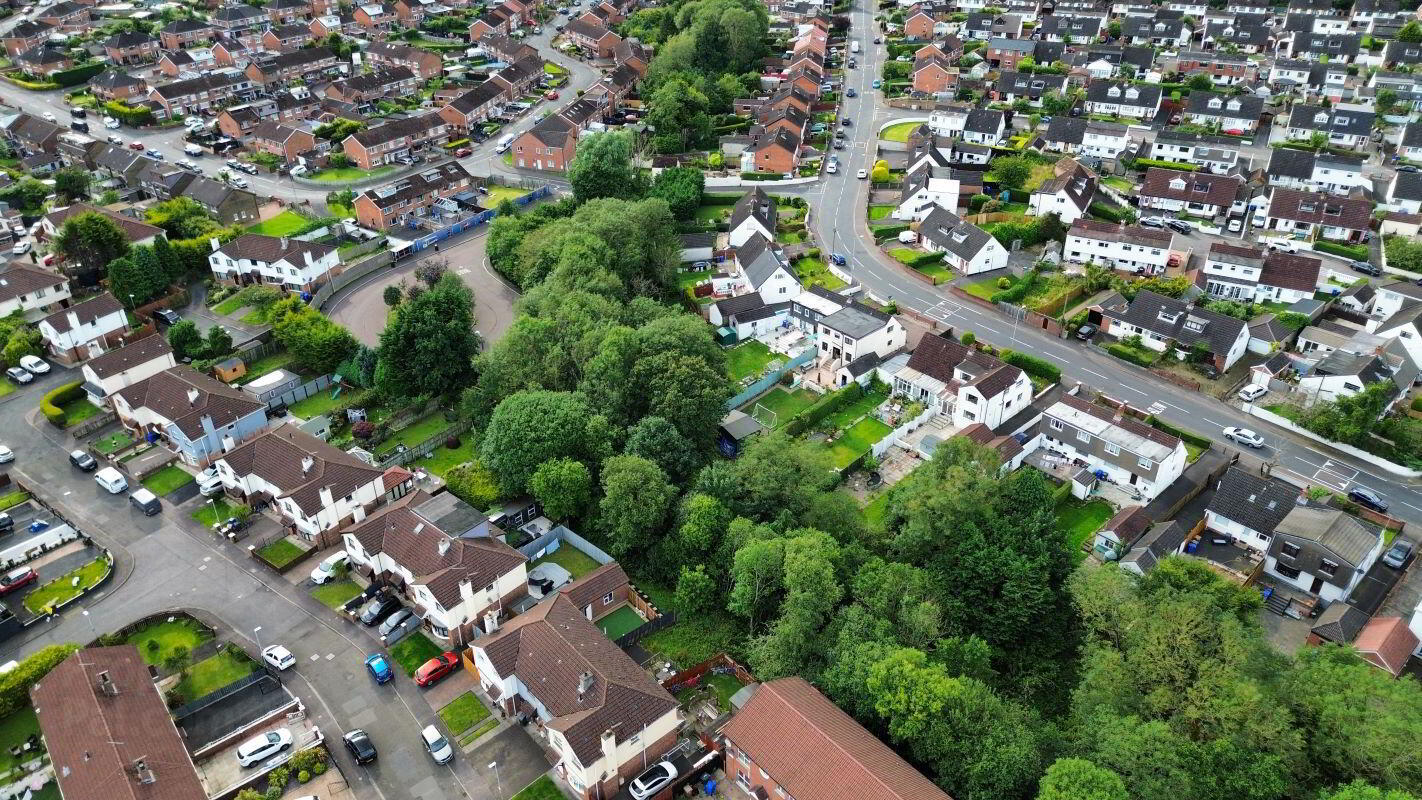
<point>551,95</point>
<point>17,579</point>
<point>436,668</point>
<point>462,152</point>
<point>135,145</point>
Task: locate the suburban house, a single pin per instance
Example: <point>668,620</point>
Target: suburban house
<point>317,489</point>
<point>1067,193</point>
<point>1128,248</point>
<point>1196,193</point>
<point>124,366</point>
<point>1347,128</point>
<point>84,330</point>
<point>1223,68</point>
<point>1316,172</point>
<point>856,331</point>
<point>424,63</point>
<point>1326,216</point>
<point>1159,542</point>
<point>1322,551</point>
<point>1410,144</point>
<point>228,204</point>
<point>1405,192</point>
<point>934,74</point>
<point>1014,86</point>
<point>1217,154</point>
<point>305,63</point>
<point>1248,507</point>
<point>1253,275</point>
<point>1122,99</point>
<point>274,260</point>
<point>753,214</point>
<point>31,291</point>
<point>985,126</point>
<point>26,35</point>
<point>1343,373</point>
<point>1160,321</point>
<point>966,248</point>
<point>383,207</point>
<point>200,417</point>
<point>926,187</point>
<point>550,144</point>
<point>594,40</point>
<point>1078,136</point>
<point>131,47</point>
<point>474,106</point>
<point>108,731</point>
<point>137,232</point>
<point>200,94</point>
<point>601,714</point>
<point>960,382</point>
<point>283,141</point>
<point>396,139</point>
<point>789,740</point>
<point>1131,452</point>
<point>748,314</point>
<point>1233,114</point>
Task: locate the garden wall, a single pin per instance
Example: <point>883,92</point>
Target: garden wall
<point>769,380</point>
<point>36,546</point>
<point>879,448</point>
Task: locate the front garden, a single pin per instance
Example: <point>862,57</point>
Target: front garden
<point>61,590</point>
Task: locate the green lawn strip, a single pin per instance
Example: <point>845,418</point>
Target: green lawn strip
<point>412,651</point>
<point>874,511</point>
<point>541,789</point>
<point>466,739</point>
<point>322,402</point>
<point>620,622</point>
<point>714,213</point>
<point>208,517</point>
<point>442,459</point>
<point>1193,452</point>
<point>347,174</point>
<point>863,405</point>
<point>50,791</point>
<point>724,686</point>
<point>1119,184</point>
<point>813,271</point>
<point>215,672</point>
<point>416,432</point>
<point>61,589</point>
<point>284,224</point>
<point>13,499</point>
<point>898,132</point>
<point>498,194</point>
<point>938,272</point>
<point>266,364</point>
<point>463,713</point>
<point>784,403</point>
<point>688,280</point>
<point>877,212</point>
<point>857,440</point>
<point>78,410</point>
<point>231,304</point>
<point>575,561</point>
<point>254,317</point>
<point>113,443</point>
<point>168,636</point>
<point>15,729</point>
<point>6,388</point>
<point>166,480</point>
<point>334,594</point>
<point>280,552</point>
<point>1080,520</point>
<point>747,360</point>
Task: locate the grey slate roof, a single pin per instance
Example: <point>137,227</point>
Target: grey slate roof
<point>855,320</point>
<point>1161,540</point>
<point>1071,130</point>
<point>983,120</point>
<point>755,203</point>
<point>1100,92</point>
<point>759,260</point>
<point>1328,120</point>
<point>1331,528</point>
<point>1286,162</point>
<point>947,230</point>
<point>1188,326</point>
<point>1249,106</point>
<point>1408,186</point>
<point>1253,501</point>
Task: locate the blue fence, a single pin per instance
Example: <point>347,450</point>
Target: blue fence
<point>475,221</point>
<point>769,379</point>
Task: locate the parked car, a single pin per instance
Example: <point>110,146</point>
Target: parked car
<point>167,316</point>
<point>20,248</point>
<point>1235,225</point>
<point>1367,498</point>
<point>210,487</point>
<point>328,567</point>
<point>279,657</point>
<point>1152,222</point>
<point>83,461</point>
<point>831,168</point>
<point>1086,331</point>
<point>862,174</point>
<point>359,744</point>
<point>394,621</point>
<point>6,454</point>
<point>379,607</point>
<point>35,364</point>
<point>238,181</point>
<point>653,780</point>
<point>1408,168</point>
<point>379,667</point>
<point>436,745</point>
<point>263,746</point>
<point>7,522</point>
<point>1396,557</point>
<point>1179,226</point>
<point>462,152</point>
<point>877,83</point>
<point>1282,245</point>
<point>1174,119</point>
<point>838,259</point>
<point>111,123</point>
<point>49,117</point>
<point>1253,392</point>
<point>136,145</point>
<point>153,154</point>
<point>116,139</point>
<point>436,668</point>
<point>850,93</point>
<point>19,375</point>
<point>846,122</point>
<point>1244,436</point>
<point>17,579</point>
<point>1367,268</point>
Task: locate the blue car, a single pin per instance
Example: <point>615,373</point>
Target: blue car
<point>379,668</point>
<point>877,83</point>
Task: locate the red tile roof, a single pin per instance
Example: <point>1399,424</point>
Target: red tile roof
<point>1190,187</point>
<point>817,752</point>
<point>1386,642</point>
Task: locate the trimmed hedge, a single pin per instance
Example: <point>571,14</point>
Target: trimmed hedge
<point>78,75</point>
<point>708,199</point>
<point>1356,252</point>
<point>1142,163</point>
<point>1061,493</point>
<point>127,114</point>
<point>1032,365</point>
<point>882,231</point>
<point>762,176</point>
<point>15,684</point>
<point>1113,213</point>
<point>49,406</point>
<point>1018,290</point>
<point>822,408</point>
<point>1128,354</point>
<point>922,260</point>
<point>1180,433</point>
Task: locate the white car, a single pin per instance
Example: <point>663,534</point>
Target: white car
<point>298,170</point>
<point>111,123</point>
<point>238,181</point>
<point>20,248</point>
<point>210,487</point>
<point>652,780</point>
<point>6,454</point>
<point>35,364</point>
<point>262,746</point>
<point>863,173</point>
<point>326,570</point>
<point>436,745</point>
<point>831,168</point>
<point>278,657</point>
<point>1244,436</point>
<point>1235,225</point>
<point>1152,222</point>
<point>1253,392</point>
<point>49,116</point>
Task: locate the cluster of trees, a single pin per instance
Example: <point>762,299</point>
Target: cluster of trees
<point>19,340</point>
<point>144,272</point>
<point>91,244</point>
<point>189,343</point>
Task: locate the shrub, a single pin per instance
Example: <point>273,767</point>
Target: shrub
<point>319,768</point>
<point>1130,354</point>
<point>1004,282</point>
<point>278,777</point>
<point>363,429</point>
<point>1180,433</point>
<point>1143,163</point>
<point>452,443</point>
<point>1034,366</point>
<point>1355,252</point>
<point>1018,291</point>
<point>807,419</point>
<point>1112,213</point>
<point>15,684</point>
<point>303,776</point>
<point>968,338</point>
<point>49,406</point>
<point>1417,403</point>
<point>977,201</point>
<point>472,483</point>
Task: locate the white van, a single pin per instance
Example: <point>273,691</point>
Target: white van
<point>112,480</point>
<point>907,237</point>
<point>505,142</point>
<point>854,46</point>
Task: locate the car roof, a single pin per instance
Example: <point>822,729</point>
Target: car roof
<point>143,495</point>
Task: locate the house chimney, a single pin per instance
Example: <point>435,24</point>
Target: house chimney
<point>145,775</point>
<point>443,546</point>
<point>1302,499</point>
<point>193,395</point>
<point>491,622</point>
<point>306,464</point>
<point>107,685</point>
<point>585,684</point>
<point>284,242</point>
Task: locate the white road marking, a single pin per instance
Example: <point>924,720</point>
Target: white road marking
<point>1212,422</point>
<point>1133,389</point>
<point>1409,505</point>
<point>1093,372</point>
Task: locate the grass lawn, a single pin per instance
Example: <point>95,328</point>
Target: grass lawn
<point>416,432</point>
<point>78,410</point>
<point>208,517</point>
<point>50,791</point>
<point>724,686</point>
<point>874,512</point>
<point>280,552</point>
<point>748,360</point>
<point>575,561</point>
<point>412,651</point>
<point>620,622</point>
<point>905,255</point>
<point>6,388</point>
<point>266,364</point>
<point>814,272</point>
<point>877,212</point>
<point>113,443</point>
<point>284,224</point>
<point>234,302</point>
<point>553,69</point>
<point>443,459</point>
<point>785,404</point>
<point>714,213</point>
<point>1041,173</point>
<point>689,279</point>
<point>1080,520</point>
<point>13,499</point>
<point>938,272</point>
<point>856,441</point>
<point>14,730</point>
<point>168,479</point>
<point>320,403</point>
<point>334,594</point>
<point>868,402</point>
<point>541,789</point>
<point>210,674</point>
<point>345,174</point>
<point>1193,452</point>
<point>694,640</point>
<point>61,589</point>
<point>899,132</point>
<point>1119,184</point>
<point>498,194</point>
<point>463,713</point>
<point>169,636</point>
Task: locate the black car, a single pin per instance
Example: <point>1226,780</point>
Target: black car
<point>1408,168</point>
<point>1367,498</point>
<point>1179,226</point>
<point>379,607</point>
<point>846,122</point>
<point>1367,268</point>
<point>7,522</point>
<point>83,460</point>
<point>358,742</point>
<point>1086,331</point>
<point>167,316</point>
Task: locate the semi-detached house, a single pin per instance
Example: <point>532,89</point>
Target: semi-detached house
<point>1129,248</point>
<point>1131,452</point>
<point>274,261</point>
<point>84,330</point>
<point>1237,114</point>
<point>384,207</point>
<point>1249,507</point>
<point>1328,216</point>
<point>1250,274</point>
<point>385,143</point>
<point>124,366</point>
<point>1117,98</point>
<point>1216,154</point>
<point>1346,128</point>
<point>424,63</point>
<point>1322,551</point>
<point>200,94</point>
<point>959,382</point>
<point>199,417</point>
<point>30,291</point>
<point>1196,193</point>
<point>1160,321</point>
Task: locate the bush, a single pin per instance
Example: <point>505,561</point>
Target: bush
<point>50,405</point>
<point>452,443</point>
<point>127,114</point>
<point>969,338</point>
<point>889,231</point>
<point>1034,366</point>
<point>363,430</point>
<point>1112,213</point>
<point>1417,403</point>
<point>1357,252</point>
<point>1004,282</point>
<point>303,776</point>
<point>1143,163</point>
<point>977,201</point>
<point>15,684</point>
<point>1018,291</point>
<point>1129,354</point>
<point>472,483</point>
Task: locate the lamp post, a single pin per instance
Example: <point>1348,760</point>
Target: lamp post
<point>92,632</point>
<point>494,765</point>
<point>257,635</point>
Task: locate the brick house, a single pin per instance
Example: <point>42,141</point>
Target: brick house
<point>474,106</point>
<point>372,86</point>
<point>304,63</point>
<point>25,35</point>
<point>199,94</point>
<point>376,17</point>
<point>68,16</point>
<point>519,77</point>
<point>343,23</point>
<point>131,47</point>
<point>280,140</point>
<point>772,152</point>
<point>933,74</point>
<point>182,33</point>
<point>1224,69</point>
<point>1007,53</point>
<point>238,121</point>
<point>227,204</point>
<point>493,22</point>
<point>549,145</point>
<point>422,62</point>
<point>118,85</point>
<point>383,207</point>
<point>286,12</point>
<point>195,59</point>
<point>44,61</point>
<point>386,142</point>
<point>233,20</point>
<point>919,24</point>
<point>594,40</point>
<point>286,37</point>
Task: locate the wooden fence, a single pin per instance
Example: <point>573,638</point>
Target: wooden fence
<point>404,455</point>
<point>719,664</point>
<point>94,423</point>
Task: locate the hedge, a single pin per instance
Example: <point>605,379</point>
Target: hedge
<point>1032,365</point>
<point>922,260</point>
<point>457,143</point>
<point>1417,403</point>
<point>762,176</point>
<point>127,114</point>
<point>1015,293</point>
<point>49,406</point>
<point>1180,433</point>
<point>882,231</point>
<point>708,199</point>
<point>1142,163</point>
<point>38,86</point>
<point>1128,354</point>
<point>1113,213</point>
<point>15,684</point>
<point>1354,251</point>
<point>78,75</point>
<point>1061,493</point>
<point>822,408</point>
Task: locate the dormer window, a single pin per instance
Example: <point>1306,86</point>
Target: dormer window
<point>960,236</point>
<point>1114,91</point>
<point>1177,184</point>
<point>1321,118</point>
<point>1166,316</point>
<point>1215,102</point>
<point>1233,105</point>
<point>1308,208</point>
<point>1333,211</point>
<point>1160,27</point>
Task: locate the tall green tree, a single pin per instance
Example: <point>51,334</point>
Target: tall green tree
<point>429,346</point>
<point>1012,172</point>
<point>182,218</point>
<point>681,187</point>
<point>1411,32</point>
<point>563,487</point>
<point>72,184</point>
<point>185,339</point>
<point>530,428</point>
<point>1079,779</point>
<point>679,117</point>
<point>636,497</point>
<point>603,167</point>
<point>1358,790</point>
<point>88,241</point>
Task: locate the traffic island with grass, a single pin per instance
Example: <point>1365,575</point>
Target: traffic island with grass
<point>66,587</point>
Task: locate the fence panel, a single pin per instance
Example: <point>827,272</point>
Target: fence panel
<point>646,629</point>
<point>408,454</point>
<point>769,380</point>
<point>301,392</point>
<point>541,546</point>
<point>92,424</point>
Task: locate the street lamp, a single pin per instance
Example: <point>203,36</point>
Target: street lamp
<point>92,632</point>
<point>494,765</point>
<point>257,634</point>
